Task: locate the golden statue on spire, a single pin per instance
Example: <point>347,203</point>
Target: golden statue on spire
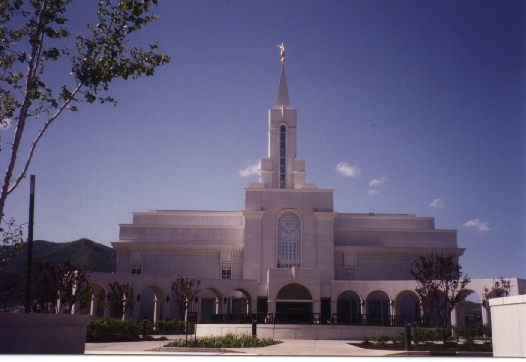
<point>282,47</point>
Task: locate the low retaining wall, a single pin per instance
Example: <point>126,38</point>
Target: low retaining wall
<point>43,333</point>
<point>290,331</point>
<point>508,326</point>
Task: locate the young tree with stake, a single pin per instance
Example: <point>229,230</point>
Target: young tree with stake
<point>439,286</point>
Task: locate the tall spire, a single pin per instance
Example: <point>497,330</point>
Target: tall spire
<point>283,99</point>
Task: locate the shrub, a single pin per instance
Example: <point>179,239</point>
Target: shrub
<point>421,335</point>
<point>365,342</point>
<point>229,340</point>
<point>169,327</point>
<point>399,339</point>
<point>113,330</point>
<point>380,339</point>
<point>116,330</point>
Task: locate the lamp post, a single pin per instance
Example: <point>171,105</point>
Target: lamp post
<point>27,302</point>
<point>186,321</point>
<point>196,318</point>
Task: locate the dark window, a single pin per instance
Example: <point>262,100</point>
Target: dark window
<point>282,147</point>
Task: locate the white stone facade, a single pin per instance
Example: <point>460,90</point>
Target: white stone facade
<point>286,249</point>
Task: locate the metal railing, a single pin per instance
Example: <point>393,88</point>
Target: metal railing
<point>377,320</point>
<point>315,318</point>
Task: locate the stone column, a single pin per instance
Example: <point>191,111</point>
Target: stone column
<point>125,311</point>
<point>155,309</point>
<point>316,307</point>
<point>334,307</point>
<point>392,310</point>
<point>454,316</point>
<point>485,313</point>
<point>253,305</point>
<point>93,306</point>
<point>363,308</point>
<point>271,306</point>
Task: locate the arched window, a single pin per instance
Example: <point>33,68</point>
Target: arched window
<point>289,241</point>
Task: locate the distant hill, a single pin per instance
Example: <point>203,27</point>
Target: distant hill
<point>85,253</point>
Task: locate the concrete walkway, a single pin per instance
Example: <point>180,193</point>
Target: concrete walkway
<point>289,347</point>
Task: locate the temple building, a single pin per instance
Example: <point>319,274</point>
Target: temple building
<point>287,252</point>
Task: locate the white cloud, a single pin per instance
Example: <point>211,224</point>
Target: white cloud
<point>250,170</point>
<point>377,182</point>
<point>476,223</point>
<point>437,203</point>
<point>6,123</point>
<point>347,170</point>
<point>373,192</point>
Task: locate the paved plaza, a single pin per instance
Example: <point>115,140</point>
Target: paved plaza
<point>289,347</point>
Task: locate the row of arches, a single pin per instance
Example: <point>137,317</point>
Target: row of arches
<point>153,300</point>
<point>153,303</point>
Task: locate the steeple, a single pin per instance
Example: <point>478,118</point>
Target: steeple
<point>281,169</point>
<point>283,99</point>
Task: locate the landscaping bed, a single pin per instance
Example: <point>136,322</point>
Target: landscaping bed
<point>474,338</point>
<point>229,340</point>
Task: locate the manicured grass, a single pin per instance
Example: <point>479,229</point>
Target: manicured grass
<point>227,341</point>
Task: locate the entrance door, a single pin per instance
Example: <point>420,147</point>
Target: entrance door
<point>293,304</point>
<point>293,312</point>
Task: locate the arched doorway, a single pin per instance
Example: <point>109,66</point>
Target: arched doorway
<point>349,308</point>
<point>408,305</point>
<point>378,305</point>
<point>293,304</point>
<point>470,310</point>
<point>151,304</point>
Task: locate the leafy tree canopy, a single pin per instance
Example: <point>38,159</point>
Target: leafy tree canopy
<point>33,35</point>
<point>439,286</point>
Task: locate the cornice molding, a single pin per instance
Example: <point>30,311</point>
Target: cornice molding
<point>410,250</point>
<point>397,230</point>
<point>159,226</point>
<point>178,248</point>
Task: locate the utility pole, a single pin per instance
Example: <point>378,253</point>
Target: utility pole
<point>27,304</point>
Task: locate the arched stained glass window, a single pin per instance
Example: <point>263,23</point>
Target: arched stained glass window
<point>289,241</point>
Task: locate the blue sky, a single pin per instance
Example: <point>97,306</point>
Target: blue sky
<point>403,107</point>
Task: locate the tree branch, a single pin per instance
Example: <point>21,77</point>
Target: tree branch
<point>39,136</point>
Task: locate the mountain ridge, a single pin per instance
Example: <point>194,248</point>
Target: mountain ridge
<point>85,253</point>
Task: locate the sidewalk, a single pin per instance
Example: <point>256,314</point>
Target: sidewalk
<point>289,347</point>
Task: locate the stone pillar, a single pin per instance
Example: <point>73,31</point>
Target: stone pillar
<point>334,307</point>
<point>316,307</point>
<point>93,306</point>
<point>363,308</point>
<point>155,309</point>
<point>454,316</point>
<point>271,306</point>
<point>485,313</point>
<point>253,305</point>
<point>392,310</point>
<point>125,311</point>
